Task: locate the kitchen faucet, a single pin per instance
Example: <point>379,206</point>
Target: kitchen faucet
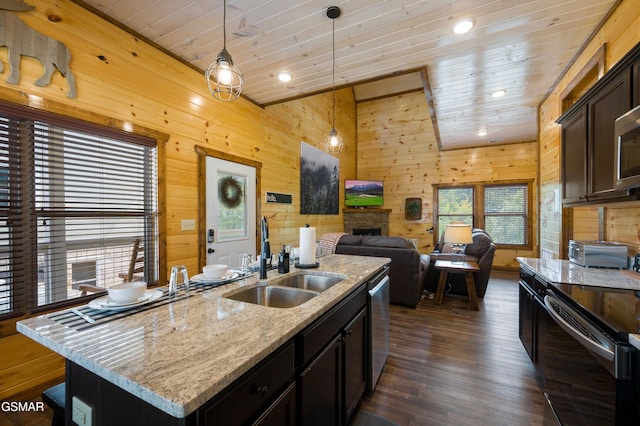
<point>265,252</point>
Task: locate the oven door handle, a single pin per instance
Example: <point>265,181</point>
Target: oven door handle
<point>594,347</point>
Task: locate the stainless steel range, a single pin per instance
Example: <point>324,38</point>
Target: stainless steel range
<point>577,337</point>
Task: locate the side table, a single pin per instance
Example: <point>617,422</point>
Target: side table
<point>467,268</point>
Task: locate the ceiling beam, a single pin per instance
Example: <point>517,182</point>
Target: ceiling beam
<point>424,74</point>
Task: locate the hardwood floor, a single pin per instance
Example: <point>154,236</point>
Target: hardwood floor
<point>450,365</point>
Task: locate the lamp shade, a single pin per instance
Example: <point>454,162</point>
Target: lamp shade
<point>458,233</point>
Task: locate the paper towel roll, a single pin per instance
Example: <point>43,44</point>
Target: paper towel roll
<point>307,246</point>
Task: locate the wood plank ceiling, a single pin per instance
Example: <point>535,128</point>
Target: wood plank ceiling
<point>385,47</point>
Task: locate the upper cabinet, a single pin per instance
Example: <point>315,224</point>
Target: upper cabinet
<point>588,135</point>
<point>609,103</point>
<point>574,156</point>
<point>635,72</point>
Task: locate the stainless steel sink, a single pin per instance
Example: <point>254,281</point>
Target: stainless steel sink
<point>274,297</point>
<point>313,282</point>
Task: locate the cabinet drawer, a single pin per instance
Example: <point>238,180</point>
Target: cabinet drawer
<point>242,401</point>
<point>316,336</point>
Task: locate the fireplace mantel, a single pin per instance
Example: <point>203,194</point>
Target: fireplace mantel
<point>369,217</point>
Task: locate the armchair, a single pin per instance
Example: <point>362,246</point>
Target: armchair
<point>481,251</point>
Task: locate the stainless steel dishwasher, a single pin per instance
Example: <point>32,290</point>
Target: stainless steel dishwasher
<point>378,325</point>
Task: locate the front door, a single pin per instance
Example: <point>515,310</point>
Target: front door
<point>230,211</point>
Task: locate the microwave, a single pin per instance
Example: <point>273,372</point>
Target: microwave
<point>627,146</point>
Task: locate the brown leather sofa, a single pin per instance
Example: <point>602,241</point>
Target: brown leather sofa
<point>481,251</point>
<point>408,268</point>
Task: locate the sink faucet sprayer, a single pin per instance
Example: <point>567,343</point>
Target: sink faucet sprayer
<point>265,252</point>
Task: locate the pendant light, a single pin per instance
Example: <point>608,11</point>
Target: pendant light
<point>224,78</point>
<point>333,143</point>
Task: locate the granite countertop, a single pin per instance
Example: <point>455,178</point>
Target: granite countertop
<point>179,355</point>
<point>565,272</point>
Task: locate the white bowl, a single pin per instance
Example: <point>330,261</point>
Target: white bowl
<point>213,272</point>
<point>127,292</point>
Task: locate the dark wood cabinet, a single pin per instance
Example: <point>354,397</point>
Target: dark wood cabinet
<point>355,365</point>
<point>635,84</point>
<point>321,387</point>
<point>588,143</point>
<point>253,393</point>
<point>574,157</point>
<point>588,135</point>
<point>527,321</point>
<point>609,103</point>
<point>282,412</point>
<point>335,377</point>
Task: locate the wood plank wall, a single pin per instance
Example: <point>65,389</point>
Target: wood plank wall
<point>396,143</point>
<point>621,221</point>
<point>125,80</point>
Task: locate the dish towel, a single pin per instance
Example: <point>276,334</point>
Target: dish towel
<point>328,242</point>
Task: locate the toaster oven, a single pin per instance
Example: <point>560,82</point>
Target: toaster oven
<point>598,254</point>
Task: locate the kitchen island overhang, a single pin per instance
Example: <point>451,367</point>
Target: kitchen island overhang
<point>177,370</point>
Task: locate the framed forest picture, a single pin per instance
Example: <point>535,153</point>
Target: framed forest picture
<point>319,181</point>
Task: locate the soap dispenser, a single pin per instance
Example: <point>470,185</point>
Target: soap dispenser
<point>283,261</point>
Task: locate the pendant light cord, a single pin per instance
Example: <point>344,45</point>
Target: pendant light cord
<point>224,25</point>
<point>333,44</point>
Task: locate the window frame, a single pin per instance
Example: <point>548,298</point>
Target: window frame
<point>27,303</point>
<point>479,208</point>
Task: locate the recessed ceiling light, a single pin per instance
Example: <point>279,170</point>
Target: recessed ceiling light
<point>499,93</point>
<point>482,133</point>
<point>284,76</point>
<point>463,26</point>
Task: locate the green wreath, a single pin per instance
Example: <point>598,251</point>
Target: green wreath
<point>230,192</point>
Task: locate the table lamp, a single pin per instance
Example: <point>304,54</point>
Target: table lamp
<point>458,234</point>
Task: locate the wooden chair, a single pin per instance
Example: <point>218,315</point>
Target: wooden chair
<point>136,265</point>
<point>54,397</point>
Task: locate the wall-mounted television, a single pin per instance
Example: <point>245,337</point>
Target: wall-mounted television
<point>363,193</point>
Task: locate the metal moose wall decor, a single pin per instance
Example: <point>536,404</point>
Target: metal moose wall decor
<point>22,40</point>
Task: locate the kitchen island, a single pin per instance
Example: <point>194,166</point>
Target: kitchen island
<point>178,356</point>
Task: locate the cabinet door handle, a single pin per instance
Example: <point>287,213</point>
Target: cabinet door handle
<point>260,390</point>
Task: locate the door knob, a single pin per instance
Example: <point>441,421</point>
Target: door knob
<point>210,250</point>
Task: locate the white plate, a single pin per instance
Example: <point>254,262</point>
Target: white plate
<point>107,303</point>
<point>201,279</point>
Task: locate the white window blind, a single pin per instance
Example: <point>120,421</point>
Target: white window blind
<point>73,198</point>
<point>505,213</point>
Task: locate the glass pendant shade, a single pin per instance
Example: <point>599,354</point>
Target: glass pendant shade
<point>224,78</point>
<point>333,143</point>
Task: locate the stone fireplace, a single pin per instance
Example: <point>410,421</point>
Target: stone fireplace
<point>364,221</point>
<point>367,231</point>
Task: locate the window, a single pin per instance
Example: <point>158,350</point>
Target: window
<point>501,208</point>
<point>505,213</point>
<point>455,205</point>
<point>73,198</point>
